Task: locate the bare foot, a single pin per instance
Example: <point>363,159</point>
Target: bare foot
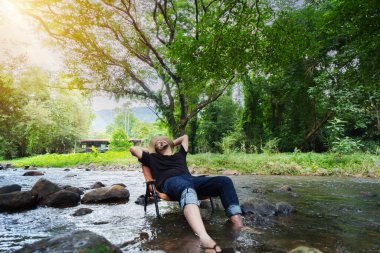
<point>237,221</point>
<point>209,245</point>
<point>213,250</point>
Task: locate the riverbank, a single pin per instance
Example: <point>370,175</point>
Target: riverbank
<point>358,164</point>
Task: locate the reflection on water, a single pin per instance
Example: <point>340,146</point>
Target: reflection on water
<point>332,215</point>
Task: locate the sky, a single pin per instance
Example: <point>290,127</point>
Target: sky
<point>18,37</point>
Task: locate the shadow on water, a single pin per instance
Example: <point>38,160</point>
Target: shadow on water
<point>332,214</point>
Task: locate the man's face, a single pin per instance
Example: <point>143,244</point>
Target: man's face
<point>161,145</point>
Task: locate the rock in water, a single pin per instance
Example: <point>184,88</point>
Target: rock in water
<point>98,185</point>
<point>17,201</point>
<point>82,211</point>
<point>284,208</point>
<point>260,207</point>
<point>284,188</point>
<point>141,200</point>
<point>303,249</point>
<point>81,241</point>
<point>73,189</point>
<point>43,188</point>
<point>62,198</point>
<point>112,194</point>
<point>10,188</point>
<point>33,173</point>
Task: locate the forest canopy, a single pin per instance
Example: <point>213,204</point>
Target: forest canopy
<point>250,76</point>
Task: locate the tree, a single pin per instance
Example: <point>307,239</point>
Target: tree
<point>119,141</point>
<point>35,118</point>
<point>317,66</point>
<point>215,122</point>
<point>12,137</point>
<point>181,55</point>
<point>124,119</point>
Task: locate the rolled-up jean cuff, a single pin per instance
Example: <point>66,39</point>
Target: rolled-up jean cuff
<point>188,196</point>
<point>233,210</point>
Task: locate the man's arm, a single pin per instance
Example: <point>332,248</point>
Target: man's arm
<point>137,151</point>
<point>184,140</point>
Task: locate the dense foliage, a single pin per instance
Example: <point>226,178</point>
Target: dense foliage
<point>308,71</point>
<point>180,55</point>
<point>35,118</point>
<point>119,140</point>
<point>316,86</point>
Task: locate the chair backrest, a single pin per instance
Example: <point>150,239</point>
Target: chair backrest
<point>149,178</point>
<point>147,173</point>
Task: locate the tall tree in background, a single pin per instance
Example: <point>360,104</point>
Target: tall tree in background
<point>35,118</point>
<point>12,102</point>
<point>181,55</point>
<point>215,122</point>
<point>321,61</point>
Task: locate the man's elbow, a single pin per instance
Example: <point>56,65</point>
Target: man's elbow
<point>132,150</point>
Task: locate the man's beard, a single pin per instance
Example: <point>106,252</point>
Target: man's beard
<point>162,147</point>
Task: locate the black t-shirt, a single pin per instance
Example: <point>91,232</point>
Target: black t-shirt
<point>165,166</point>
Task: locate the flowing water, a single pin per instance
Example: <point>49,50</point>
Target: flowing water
<point>332,214</point>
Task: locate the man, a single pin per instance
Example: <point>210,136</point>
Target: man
<point>173,178</point>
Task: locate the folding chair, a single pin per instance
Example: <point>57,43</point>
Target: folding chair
<point>151,191</point>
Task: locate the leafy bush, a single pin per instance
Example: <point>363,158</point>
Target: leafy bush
<point>346,145</point>
<point>271,146</point>
<point>334,131</point>
<point>119,141</point>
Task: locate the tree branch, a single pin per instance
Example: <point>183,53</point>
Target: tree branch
<point>196,19</point>
<point>145,40</point>
<point>211,99</point>
<point>205,7</point>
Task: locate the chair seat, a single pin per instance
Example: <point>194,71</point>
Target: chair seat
<point>164,196</point>
<point>151,190</point>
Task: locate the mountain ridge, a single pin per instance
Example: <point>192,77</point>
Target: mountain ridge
<point>104,117</point>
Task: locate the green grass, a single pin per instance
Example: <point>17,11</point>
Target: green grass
<point>289,163</point>
<point>266,164</point>
<point>69,160</point>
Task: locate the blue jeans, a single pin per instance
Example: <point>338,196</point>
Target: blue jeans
<point>184,188</point>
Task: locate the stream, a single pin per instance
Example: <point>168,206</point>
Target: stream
<point>333,214</point>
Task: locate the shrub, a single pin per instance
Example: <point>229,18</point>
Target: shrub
<point>119,141</point>
<point>346,145</point>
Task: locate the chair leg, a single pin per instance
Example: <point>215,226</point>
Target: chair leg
<point>146,196</point>
<point>212,205</point>
<point>155,197</point>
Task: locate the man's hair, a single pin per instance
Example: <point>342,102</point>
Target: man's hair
<point>152,144</point>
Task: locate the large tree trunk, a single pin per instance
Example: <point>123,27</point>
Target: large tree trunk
<point>315,128</point>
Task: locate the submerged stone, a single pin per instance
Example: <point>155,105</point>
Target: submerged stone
<point>43,188</point>
<point>10,188</point>
<point>259,207</point>
<point>368,194</point>
<point>284,208</point>
<point>33,173</point>
<point>62,198</point>
<point>98,185</point>
<point>73,189</point>
<point>114,194</point>
<point>141,200</point>
<point>17,201</point>
<point>81,241</point>
<point>284,188</point>
<point>82,211</point>
<point>304,249</point>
